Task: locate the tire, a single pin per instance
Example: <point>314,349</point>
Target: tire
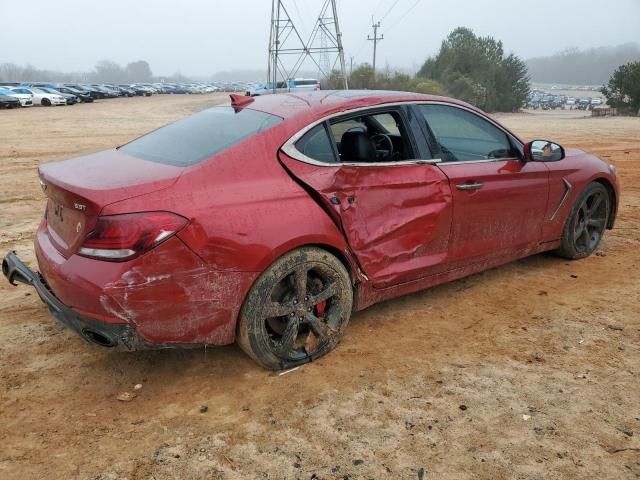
<point>45,102</point>
<point>297,310</point>
<point>586,223</point>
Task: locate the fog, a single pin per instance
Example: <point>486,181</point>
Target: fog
<point>199,37</point>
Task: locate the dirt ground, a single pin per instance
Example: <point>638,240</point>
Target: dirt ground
<point>528,371</point>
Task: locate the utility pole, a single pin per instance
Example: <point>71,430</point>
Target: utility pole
<point>350,65</point>
<point>375,39</point>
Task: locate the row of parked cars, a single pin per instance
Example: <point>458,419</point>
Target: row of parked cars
<point>27,94</point>
<point>552,102</point>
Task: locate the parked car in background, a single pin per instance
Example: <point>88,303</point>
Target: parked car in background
<point>45,98</point>
<point>24,96</point>
<point>70,98</point>
<point>145,90</point>
<point>292,85</point>
<point>82,96</point>
<point>596,101</point>
<point>7,100</point>
<point>176,89</point>
<point>106,92</point>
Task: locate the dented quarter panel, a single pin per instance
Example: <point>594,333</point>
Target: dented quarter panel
<point>169,294</point>
<point>396,218</point>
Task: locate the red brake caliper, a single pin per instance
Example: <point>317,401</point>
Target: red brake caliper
<point>319,309</point>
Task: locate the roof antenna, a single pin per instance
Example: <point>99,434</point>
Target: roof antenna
<point>239,101</point>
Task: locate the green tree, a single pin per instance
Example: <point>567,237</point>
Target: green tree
<point>476,70</point>
<point>139,71</point>
<point>623,90</point>
<point>361,77</point>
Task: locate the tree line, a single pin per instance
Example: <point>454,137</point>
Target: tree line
<point>472,68</point>
<point>105,71</point>
<point>582,67</point>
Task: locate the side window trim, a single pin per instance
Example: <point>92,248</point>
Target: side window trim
<point>289,146</point>
<point>435,146</point>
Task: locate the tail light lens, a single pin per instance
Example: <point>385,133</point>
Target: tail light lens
<point>122,237</point>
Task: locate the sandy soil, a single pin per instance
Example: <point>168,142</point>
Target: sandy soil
<point>528,371</point>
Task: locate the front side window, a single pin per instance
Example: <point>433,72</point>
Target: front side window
<point>462,135</point>
<point>200,136</point>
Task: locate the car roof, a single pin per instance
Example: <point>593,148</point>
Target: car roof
<point>316,104</point>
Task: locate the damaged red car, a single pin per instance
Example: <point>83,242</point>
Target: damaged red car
<point>269,221</point>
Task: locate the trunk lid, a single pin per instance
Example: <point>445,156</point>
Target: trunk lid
<point>78,189</point>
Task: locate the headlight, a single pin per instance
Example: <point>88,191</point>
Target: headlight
<point>612,169</point>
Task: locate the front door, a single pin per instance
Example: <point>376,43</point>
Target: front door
<point>499,200</point>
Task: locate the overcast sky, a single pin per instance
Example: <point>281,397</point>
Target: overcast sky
<point>200,37</point>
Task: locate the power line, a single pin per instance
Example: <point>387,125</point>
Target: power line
<point>404,14</point>
<point>389,11</point>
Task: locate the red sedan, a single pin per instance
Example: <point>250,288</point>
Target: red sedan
<point>269,221</point>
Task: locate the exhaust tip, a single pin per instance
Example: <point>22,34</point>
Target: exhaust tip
<point>98,338</point>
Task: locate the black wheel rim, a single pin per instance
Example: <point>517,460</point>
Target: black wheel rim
<point>590,222</point>
<point>303,313</point>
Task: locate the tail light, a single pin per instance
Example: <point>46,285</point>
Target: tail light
<point>122,237</point>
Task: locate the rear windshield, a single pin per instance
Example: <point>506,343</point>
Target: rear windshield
<point>200,136</point>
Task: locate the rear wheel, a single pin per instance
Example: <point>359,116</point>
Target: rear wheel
<point>297,310</point>
<point>46,102</point>
<point>586,223</point>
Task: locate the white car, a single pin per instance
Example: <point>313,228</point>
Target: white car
<point>44,98</point>
<point>292,85</point>
<point>26,99</point>
<point>596,101</point>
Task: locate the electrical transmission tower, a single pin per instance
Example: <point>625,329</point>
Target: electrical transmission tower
<point>288,50</point>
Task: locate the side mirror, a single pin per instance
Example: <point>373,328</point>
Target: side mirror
<point>543,151</point>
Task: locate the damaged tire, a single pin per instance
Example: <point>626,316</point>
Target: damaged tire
<point>586,223</point>
<point>297,310</point>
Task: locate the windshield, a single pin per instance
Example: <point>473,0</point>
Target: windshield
<point>200,136</point>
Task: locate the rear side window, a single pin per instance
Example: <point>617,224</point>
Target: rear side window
<point>317,145</point>
<point>200,136</point>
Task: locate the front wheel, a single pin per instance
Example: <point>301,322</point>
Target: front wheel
<point>586,223</point>
<point>297,310</point>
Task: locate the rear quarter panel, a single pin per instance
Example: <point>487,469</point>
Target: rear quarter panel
<point>245,211</point>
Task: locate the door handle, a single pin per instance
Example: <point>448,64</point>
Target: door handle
<point>469,186</point>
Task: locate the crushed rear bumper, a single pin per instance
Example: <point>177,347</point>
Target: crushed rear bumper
<point>117,335</point>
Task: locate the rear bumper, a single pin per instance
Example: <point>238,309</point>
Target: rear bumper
<point>120,335</point>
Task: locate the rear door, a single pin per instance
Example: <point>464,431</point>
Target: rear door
<point>395,215</point>
<point>499,201</point>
